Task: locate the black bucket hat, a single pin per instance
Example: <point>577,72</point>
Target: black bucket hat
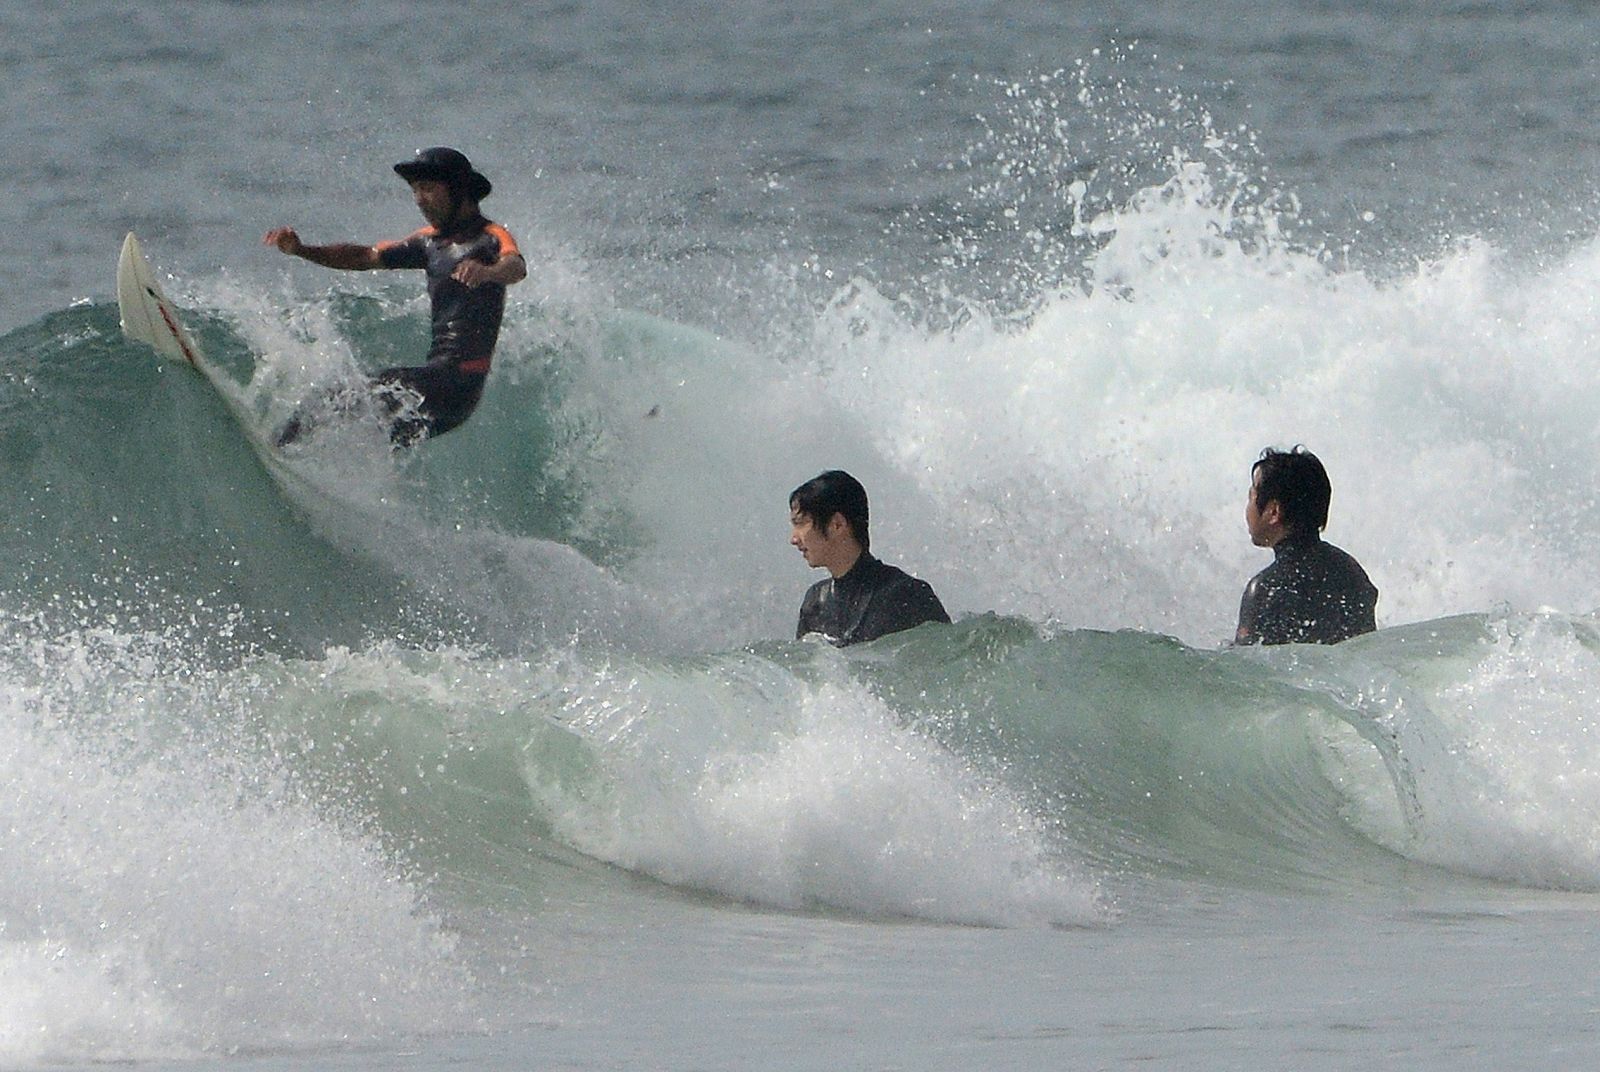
<point>445,165</point>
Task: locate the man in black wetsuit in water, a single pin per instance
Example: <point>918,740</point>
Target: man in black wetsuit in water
<point>862,599</point>
<point>1313,592</point>
<point>469,261</point>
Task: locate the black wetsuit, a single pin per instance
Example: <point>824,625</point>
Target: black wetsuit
<point>1313,593</point>
<point>873,599</point>
<point>466,325</point>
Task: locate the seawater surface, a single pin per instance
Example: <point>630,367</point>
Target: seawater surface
<point>497,753</point>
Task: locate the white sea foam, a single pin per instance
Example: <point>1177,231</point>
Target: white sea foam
<point>162,895</point>
<point>1089,464</point>
<point>1100,455</point>
<point>1503,753</point>
<point>1086,463</point>
<point>749,783</point>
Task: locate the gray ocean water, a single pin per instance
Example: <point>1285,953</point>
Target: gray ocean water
<point>498,755</point>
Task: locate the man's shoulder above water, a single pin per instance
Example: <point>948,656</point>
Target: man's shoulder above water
<point>872,600</point>
<point>1313,592</point>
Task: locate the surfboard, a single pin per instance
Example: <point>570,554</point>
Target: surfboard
<point>147,315</point>
<point>150,318</point>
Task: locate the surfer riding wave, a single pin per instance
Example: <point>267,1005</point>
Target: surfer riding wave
<point>469,261</point>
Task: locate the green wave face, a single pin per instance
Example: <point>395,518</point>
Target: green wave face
<point>522,666</point>
<point>140,510</point>
<point>135,496</point>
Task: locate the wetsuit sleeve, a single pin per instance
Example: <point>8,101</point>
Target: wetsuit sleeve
<point>506,245</point>
<point>411,252</point>
<point>1366,616</point>
<point>923,604</point>
<point>1249,628</point>
<point>809,617</point>
<point>906,605</point>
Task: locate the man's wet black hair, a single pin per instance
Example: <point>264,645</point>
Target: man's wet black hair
<point>1299,483</point>
<point>834,492</point>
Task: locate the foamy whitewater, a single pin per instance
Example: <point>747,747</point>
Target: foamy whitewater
<point>498,753</point>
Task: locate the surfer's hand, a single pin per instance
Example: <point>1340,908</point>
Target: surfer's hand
<point>285,239</point>
<point>471,273</point>
<point>506,271</point>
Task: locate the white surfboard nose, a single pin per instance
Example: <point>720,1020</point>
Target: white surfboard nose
<point>147,315</point>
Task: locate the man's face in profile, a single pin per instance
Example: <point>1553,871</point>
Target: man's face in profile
<point>822,546</point>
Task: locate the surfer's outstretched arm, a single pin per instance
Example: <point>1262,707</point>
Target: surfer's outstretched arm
<point>349,256</point>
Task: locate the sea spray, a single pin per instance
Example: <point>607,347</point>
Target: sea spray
<point>738,778</point>
<point>1501,745</point>
<point>166,892</point>
<point>1099,453</point>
